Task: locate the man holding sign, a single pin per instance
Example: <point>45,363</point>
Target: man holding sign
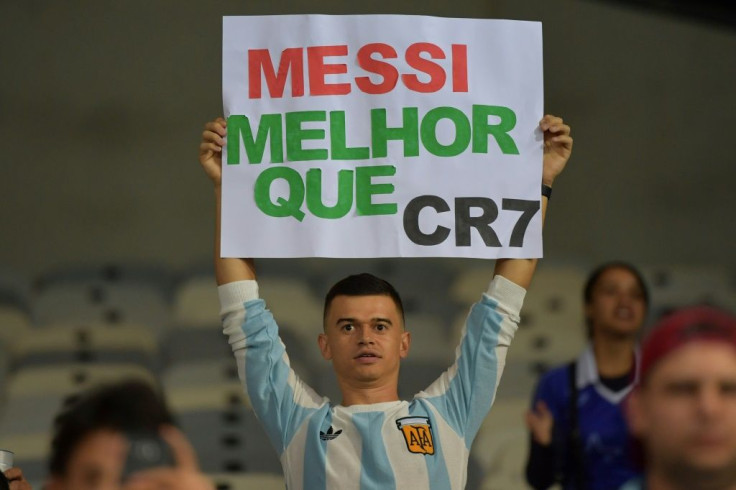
<point>372,439</point>
<point>355,136</point>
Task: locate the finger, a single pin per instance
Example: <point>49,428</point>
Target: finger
<point>558,129</point>
<point>549,120</point>
<point>207,147</point>
<point>217,126</point>
<point>213,137</point>
<point>561,141</point>
<point>13,474</point>
<point>542,409</point>
<point>184,454</point>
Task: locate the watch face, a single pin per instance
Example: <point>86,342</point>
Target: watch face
<point>146,451</point>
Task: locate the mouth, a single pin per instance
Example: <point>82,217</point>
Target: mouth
<point>367,357</point>
<point>624,313</point>
<point>709,440</point>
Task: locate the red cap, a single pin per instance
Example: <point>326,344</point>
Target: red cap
<point>699,323</point>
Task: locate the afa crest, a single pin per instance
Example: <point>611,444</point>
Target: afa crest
<point>417,434</point>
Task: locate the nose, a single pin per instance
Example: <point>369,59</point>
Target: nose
<point>365,337</point>
<point>626,297</point>
<point>710,401</point>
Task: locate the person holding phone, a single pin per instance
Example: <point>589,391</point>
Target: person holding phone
<point>121,437</point>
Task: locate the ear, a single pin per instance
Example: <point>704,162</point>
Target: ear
<point>324,346</point>
<point>405,344</point>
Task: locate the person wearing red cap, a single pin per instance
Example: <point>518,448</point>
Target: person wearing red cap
<point>682,412</point>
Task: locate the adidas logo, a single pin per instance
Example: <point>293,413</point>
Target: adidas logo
<point>329,435</point>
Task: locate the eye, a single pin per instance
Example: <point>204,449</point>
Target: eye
<point>728,388</point>
<point>683,388</point>
<point>348,327</point>
<point>381,327</point>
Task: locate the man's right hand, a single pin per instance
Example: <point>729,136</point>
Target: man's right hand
<point>210,149</point>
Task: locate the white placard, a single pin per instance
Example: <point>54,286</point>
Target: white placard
<point>381,136</point>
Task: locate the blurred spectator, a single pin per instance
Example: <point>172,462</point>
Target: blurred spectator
<point>578,431</point>
<point>121,436</point>
<point>683,412</point>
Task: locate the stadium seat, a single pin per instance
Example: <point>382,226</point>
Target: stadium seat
<point>29,415</point>
<point>293,304</point>
<point>676,286</point>
<point>519,379</point>
<point>97,302</point>
<point>15,289</point>
<point>71,378</point>
<point>135,273</point>
<point>64,344</point>
<point>555,290</point>
<point>430,338</point>
<point>546,345</point>
<point>223,429</point>
<point>196,302</point>
<point>468,285</point>
<point>191,343</point>
<point>200,373</point>
<point>14,322</point>
<point>509,456</point>
<point>416,375</point>
<point>502,431</point>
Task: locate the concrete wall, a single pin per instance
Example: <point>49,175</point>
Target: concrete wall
<point>102,104</point>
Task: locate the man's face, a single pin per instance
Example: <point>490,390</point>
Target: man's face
<point>364,338</point>
<point>96,463</point>
<point>685,413</point>
<point>617,304</point>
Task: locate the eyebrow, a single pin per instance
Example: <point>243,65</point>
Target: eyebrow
<point>353,320</point>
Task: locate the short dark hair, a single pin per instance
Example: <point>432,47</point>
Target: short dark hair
<point>363,284</point>
<point>125,406</point>
<point>595,276</point>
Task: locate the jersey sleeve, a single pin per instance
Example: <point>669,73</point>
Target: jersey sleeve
<point>280,400</point>
<point>464,393</point>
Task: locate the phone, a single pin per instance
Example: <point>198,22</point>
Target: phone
<point>147,450</point>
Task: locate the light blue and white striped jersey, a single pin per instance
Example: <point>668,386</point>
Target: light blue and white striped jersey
<point>417,444</point>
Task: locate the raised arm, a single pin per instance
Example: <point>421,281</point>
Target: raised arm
<point>557,150</point>
<point>210,157</point>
